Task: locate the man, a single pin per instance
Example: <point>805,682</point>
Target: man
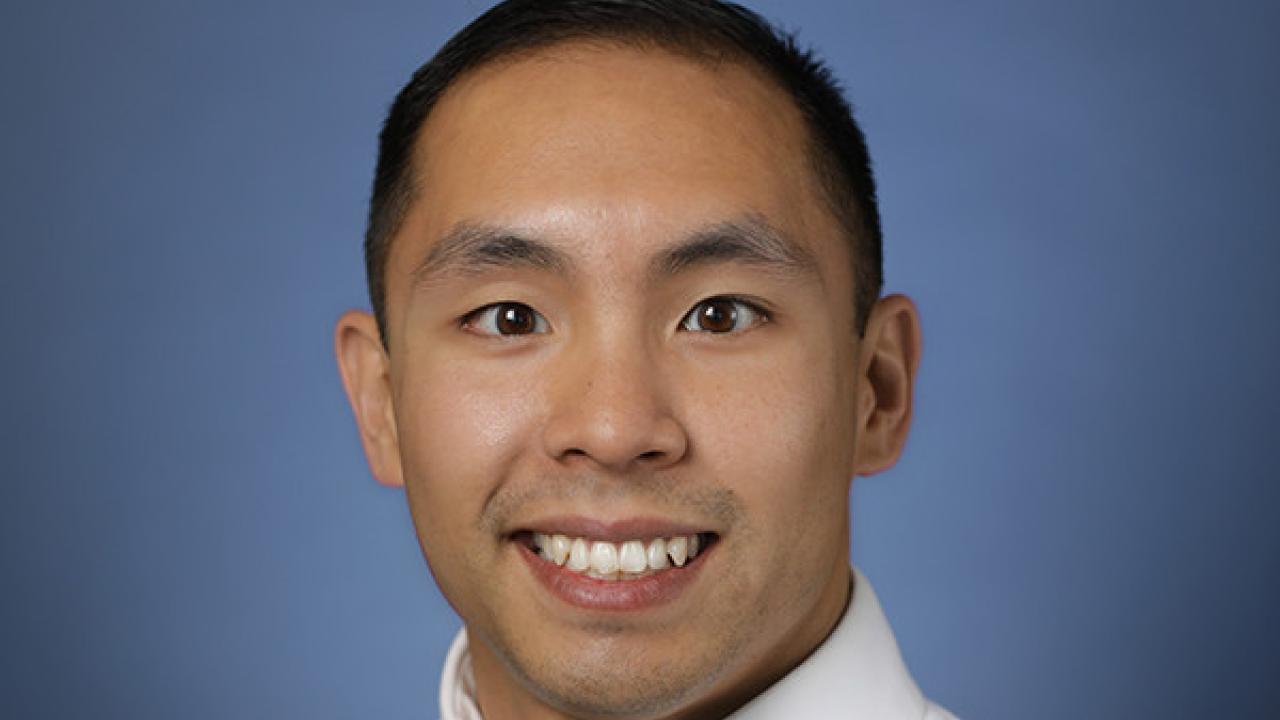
<point>627,353</point>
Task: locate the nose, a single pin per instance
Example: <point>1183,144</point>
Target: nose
<point>610,408</point>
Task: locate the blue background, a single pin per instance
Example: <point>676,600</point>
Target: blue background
<point>1083,198</point>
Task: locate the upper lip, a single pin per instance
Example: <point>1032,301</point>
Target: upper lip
<point>620,530</point>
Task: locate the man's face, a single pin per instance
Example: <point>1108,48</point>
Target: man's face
<point>620,310</point>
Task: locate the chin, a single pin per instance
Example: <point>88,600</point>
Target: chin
<point>616,679</point>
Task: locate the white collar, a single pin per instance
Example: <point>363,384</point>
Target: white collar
<point>458,683</point>
<point>857,672</point>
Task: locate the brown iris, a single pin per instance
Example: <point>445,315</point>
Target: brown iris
<point>717,316</point>
<point>515,319</point>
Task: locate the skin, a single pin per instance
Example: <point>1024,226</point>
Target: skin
<point>614,408</point>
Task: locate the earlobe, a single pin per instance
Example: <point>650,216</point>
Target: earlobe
<point>366,376</point>
<point>888,362</point>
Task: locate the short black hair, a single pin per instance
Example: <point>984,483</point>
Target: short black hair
<point>700,28</point>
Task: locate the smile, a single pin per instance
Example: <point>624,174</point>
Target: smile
<point>629,560</point>
<point>626,566</point>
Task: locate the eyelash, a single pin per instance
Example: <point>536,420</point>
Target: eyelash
<point>469,320</point>
<point>761,314</point>
<point>540,325</point>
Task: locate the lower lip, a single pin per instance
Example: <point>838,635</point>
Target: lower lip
<point>590,593</point>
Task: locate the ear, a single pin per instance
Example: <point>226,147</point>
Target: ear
<point>366,375</point>
<point>889,357</point>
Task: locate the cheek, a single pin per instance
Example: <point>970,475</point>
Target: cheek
<point>780,433</point>
<point>461,427</point>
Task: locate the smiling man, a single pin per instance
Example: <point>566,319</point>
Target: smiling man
<point>626,356</point>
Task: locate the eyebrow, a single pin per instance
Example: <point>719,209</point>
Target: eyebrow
<point>470,249</point>
<point>749,241</point>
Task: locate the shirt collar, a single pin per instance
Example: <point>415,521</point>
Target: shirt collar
<point>856,672</point>
<point>458,683</point>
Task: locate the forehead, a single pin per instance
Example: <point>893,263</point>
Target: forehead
<point>638,143</point>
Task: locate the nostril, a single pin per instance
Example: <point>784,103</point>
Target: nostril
<point>652,455</point>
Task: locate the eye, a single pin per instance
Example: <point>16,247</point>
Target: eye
<point>722,315</point>
<point>506,319</point>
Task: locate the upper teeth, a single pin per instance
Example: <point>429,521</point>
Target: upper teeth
<point>599,558</point>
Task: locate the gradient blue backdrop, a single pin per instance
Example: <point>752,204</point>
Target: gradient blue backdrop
<point>1083,198</point>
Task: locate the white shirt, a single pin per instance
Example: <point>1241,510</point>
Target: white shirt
<point>857,673</point>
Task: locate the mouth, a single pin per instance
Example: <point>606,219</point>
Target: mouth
<point>612,569</point>
<point>616,561</point>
